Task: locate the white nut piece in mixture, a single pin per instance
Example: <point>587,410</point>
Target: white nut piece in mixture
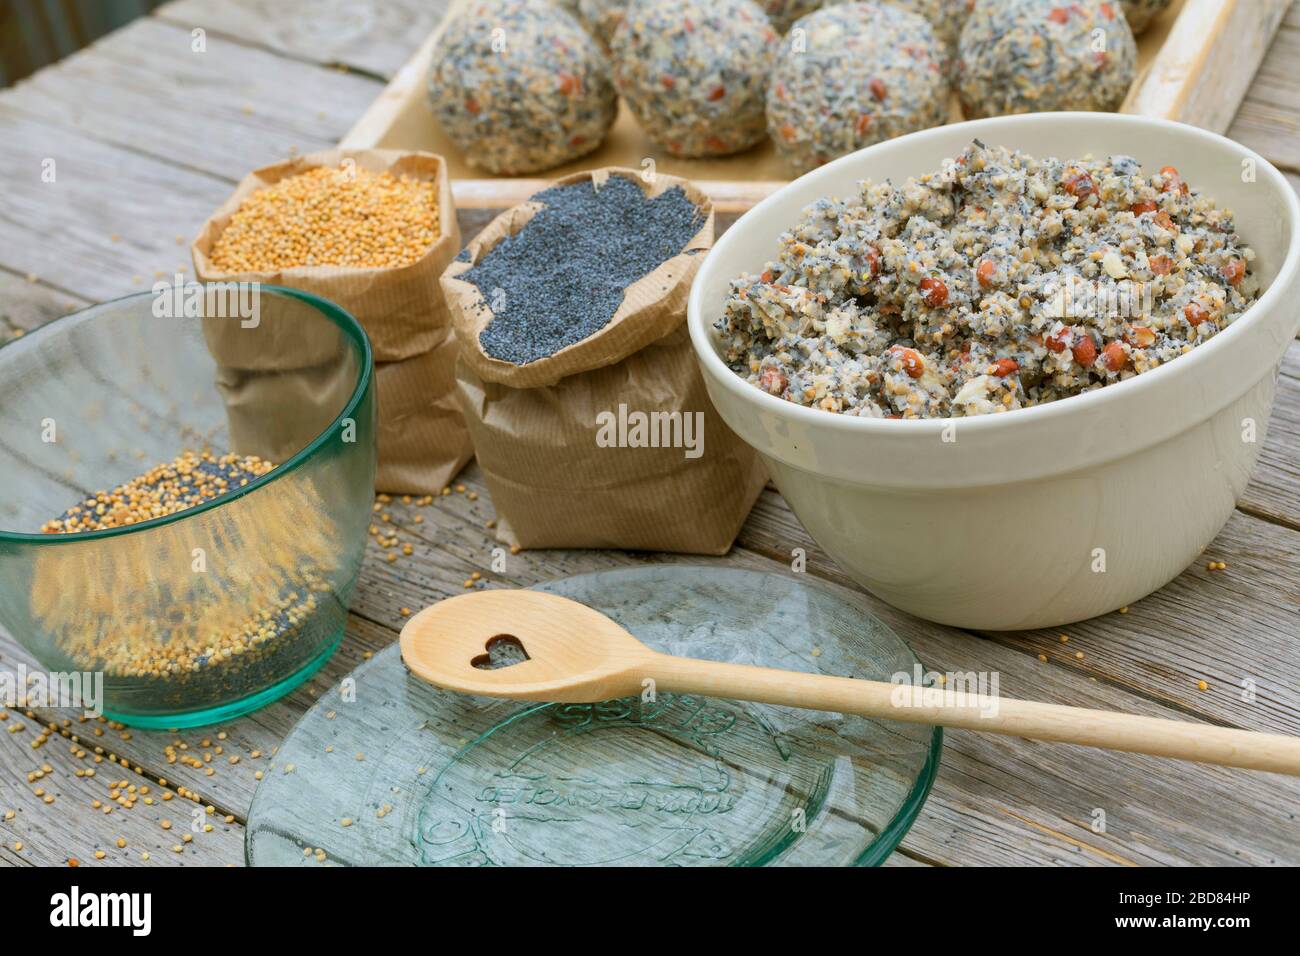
<point>999,282</point>
<point>1029,56</point>
<point>852,75</point>
<point>519,87</point>
<point>694,72</point>
<point>1140,13</point>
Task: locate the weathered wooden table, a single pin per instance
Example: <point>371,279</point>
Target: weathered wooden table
<point>148,136</point>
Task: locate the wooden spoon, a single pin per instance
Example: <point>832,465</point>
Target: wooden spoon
<point>565,651</point>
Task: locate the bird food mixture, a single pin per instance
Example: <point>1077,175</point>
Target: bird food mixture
<point>519,86</point>
<point>947,17</point>
<point>168,489</point>
<point>694,72</point>
<point>562,277</point>
<point>167,633</point>
<point>999,282</point>
<point>1029,56</point>
<point>865,73</point>
<point>328,216</point>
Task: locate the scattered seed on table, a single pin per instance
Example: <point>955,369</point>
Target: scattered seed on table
<point>121,843</point>
<point>345,822</point>
<point>1078,655</point>
<point>1065,638</point>
<point>1043,658</point>
<point>1202,685</point>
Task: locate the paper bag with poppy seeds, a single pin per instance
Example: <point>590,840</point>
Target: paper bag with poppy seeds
<point>610,442</point>
<point>422,436</point>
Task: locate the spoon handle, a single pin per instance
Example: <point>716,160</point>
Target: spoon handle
<point>1203,743</point>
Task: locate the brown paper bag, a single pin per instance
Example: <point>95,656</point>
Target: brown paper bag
<point>422,437</point>
<point>557,438</point>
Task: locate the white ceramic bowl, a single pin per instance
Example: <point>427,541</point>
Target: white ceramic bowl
<point>1010,525</point>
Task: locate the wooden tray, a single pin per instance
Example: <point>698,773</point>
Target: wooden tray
<point>1195,63</point>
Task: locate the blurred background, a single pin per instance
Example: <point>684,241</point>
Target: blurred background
<point>34,33</point>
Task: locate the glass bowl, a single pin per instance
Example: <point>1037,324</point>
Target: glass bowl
<point>453,780</point>
<point>212,612</point>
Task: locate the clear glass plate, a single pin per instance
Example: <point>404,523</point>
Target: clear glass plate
<point>451,780</point>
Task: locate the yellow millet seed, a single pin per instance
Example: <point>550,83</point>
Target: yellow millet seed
<point>331,216</point>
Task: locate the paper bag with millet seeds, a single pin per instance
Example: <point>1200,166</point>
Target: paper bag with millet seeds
<point>565,442</point>
<point>422,437</point>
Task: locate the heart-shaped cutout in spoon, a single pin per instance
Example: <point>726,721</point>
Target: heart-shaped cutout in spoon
<point>504,650</point>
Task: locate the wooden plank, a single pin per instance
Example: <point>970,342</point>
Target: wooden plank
<point>1204,67</point>
<point>406,85</point>
<point>110,221</point>
<point>1269,119</point>
<point>375,37</point>
<point>1224,627</point>
<point>50,833</point>
<point>1274,491</point>
<point>26,304</point>
<point>225,111</point>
